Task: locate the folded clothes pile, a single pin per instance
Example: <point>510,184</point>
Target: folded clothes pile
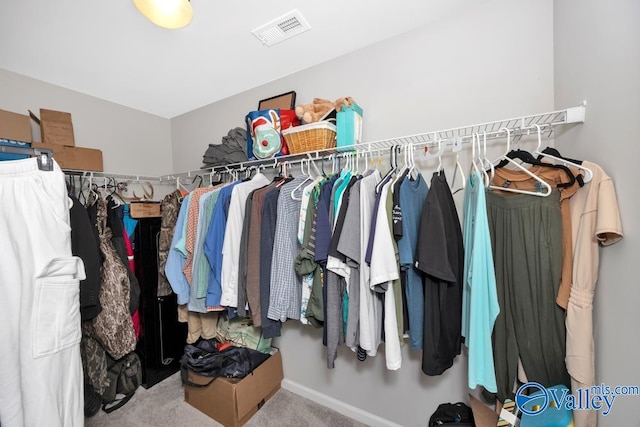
<point>231,150</point>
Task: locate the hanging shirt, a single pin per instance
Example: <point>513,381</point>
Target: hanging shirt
<point>169,208</point>
<point>411,198</point>
<point>201,268</point>
<point>479,295</point>
<point>213,245</point>
<point>192,228</point>
<point>175,260</point>
<point>370,305</point>
<point>440,256</point>
<point>232,236</point>
<point>595,220</point>
<point>254,254</point>
<point>349,246</point>
<point>270,328</point>
<point>285,298</point>
<point>384,270</point>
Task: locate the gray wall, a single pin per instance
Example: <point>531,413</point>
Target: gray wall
<point>491,62</point>
<point>132,142</point>
<point>597,57</point>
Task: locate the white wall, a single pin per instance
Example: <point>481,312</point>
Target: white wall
<point>493,62</point>
<point>132,142</point>
<point>597,57</point>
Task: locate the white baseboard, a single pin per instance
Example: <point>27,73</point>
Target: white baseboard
<point>337,405</point>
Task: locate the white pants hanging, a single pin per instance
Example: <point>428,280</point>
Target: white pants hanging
<point>40,368</point>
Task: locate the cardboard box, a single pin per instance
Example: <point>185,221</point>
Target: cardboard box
<point>483,415</point>
<point>55,127</point>
<point>14,126</point>
<point>78,158</point>
<point>232,402</point>
<point>144,209</point>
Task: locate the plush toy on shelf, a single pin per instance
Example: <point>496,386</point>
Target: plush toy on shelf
<point>346,101</point>
<point>320,108</point>
<point>310,113</point>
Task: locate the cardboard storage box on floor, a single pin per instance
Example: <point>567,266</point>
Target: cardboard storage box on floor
<point>231,401</point>
<point>87,159</point>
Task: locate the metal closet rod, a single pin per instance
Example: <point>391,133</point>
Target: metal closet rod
<point>518,126</point>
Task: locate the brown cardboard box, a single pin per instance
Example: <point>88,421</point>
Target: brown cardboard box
<point>144,209</point>
<point>232,402</point>
<point>14,126</point>
<point>55,126</point>
<point>78,158</point>
<point>482,414</point>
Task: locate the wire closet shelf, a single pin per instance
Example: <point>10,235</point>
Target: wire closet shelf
<point>517,126</point>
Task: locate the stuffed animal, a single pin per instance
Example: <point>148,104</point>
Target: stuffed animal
<point>310,113</point>
<point>346,101</point>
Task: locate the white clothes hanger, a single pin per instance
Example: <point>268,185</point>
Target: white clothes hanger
<point>544,185</point>
<point>477,162</point>
<point>588,172</point>
<point>302,183</point>
<point>486,160</point>
<point>458,168</point>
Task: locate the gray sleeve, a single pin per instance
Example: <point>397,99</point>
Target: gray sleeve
<point>349,244</point>
<point>334,323</point>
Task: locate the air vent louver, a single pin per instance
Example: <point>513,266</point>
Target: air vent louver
<point>282,28</point>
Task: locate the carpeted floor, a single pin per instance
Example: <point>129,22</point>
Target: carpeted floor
<point>164,405</point>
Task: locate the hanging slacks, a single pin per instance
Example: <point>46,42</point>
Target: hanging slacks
<point>40,368</point>
<point>526,239</point>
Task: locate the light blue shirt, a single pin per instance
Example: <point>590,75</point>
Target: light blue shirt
<point>479,296</point>
<point>175,260</point>
<point>213,244</point>
<point>201,268</point>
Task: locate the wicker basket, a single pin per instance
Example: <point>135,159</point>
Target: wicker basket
<point>312,137</point>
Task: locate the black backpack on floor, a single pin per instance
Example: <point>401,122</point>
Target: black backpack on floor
<point>124,377</point>
<point>452,414</point>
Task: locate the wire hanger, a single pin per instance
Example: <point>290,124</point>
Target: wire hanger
<point>588,172</point>
<point>546,188</point>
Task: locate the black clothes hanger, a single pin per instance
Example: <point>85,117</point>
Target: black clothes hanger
<point>527,157</point>
<point>553,152</point>
<point>393,161</point>
<point>556,153</point>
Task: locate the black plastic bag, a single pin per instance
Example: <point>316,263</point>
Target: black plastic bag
<point>206,360</point>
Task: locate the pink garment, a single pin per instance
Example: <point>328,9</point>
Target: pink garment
<point>135,317</point>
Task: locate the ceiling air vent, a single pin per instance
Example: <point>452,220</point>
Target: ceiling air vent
<point>282,28</point>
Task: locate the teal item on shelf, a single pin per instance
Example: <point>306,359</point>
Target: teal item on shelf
<point>349,127</point>
<point>10,156</point>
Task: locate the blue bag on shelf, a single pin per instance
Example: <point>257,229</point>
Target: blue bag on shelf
<point>9,156</point>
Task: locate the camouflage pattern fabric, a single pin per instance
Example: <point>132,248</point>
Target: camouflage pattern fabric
<point>113,325</point>
<point>169,208</point>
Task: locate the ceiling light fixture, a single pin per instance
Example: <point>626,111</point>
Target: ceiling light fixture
<point>171,14</point>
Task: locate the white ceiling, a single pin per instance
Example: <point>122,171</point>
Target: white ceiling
<point>105,48</point>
